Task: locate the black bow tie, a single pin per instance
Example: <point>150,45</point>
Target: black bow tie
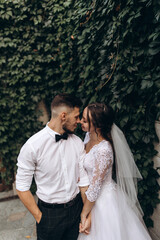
<point>59,137</point>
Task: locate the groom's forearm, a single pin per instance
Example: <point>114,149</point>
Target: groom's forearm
<point>83,195</point>
<point>87,207</point>
<point>28,200</point>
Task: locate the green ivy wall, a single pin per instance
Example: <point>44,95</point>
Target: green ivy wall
<point>99,50</point>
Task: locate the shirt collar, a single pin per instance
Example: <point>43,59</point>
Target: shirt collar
<point>50,131</point>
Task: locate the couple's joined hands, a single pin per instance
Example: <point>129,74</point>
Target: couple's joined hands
<point>85,224</point>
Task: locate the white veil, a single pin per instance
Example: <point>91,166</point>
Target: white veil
<point>127,172</point>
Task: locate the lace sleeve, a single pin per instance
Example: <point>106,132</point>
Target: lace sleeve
<point>103,162</point>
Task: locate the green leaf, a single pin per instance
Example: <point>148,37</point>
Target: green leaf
<point>146,84</point>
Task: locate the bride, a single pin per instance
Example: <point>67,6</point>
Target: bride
<point>110,207</point>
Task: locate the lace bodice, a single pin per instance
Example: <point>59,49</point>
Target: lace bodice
<point>98,163</point>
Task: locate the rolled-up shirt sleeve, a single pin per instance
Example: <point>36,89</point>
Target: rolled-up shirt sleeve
<point>84,180</point>
<point>26,168</point>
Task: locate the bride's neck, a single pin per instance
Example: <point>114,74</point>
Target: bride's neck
<point>96,137</point>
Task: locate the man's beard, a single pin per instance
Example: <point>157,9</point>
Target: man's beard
<point>65,128</point>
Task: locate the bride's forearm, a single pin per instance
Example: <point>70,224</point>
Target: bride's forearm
<point>87,207</point>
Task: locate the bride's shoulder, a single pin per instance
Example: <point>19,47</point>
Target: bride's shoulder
<point>105,145</point>
<point>104,151</point>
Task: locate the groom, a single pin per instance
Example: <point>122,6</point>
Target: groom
<point>54,156</point>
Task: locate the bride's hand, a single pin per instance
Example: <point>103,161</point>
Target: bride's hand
<point>86,225</point>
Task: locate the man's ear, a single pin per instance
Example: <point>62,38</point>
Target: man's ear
<point>63,116</point>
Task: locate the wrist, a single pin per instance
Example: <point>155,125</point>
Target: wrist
<point>84,214</point>
<point>38,216</point>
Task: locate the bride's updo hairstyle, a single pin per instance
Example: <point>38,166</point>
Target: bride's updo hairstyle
<point>102,118</point>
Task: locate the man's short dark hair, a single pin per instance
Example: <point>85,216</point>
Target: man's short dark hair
<point>64,99</point>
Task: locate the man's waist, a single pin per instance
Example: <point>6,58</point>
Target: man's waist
<point>60,205</point>
<point>52,195</point>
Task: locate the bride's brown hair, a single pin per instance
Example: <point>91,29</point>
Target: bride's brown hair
<point>102,117</point>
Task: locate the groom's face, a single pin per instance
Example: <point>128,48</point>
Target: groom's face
<point>72,119</point>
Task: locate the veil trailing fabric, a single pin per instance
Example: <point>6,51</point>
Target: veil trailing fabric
<point>127,172</point>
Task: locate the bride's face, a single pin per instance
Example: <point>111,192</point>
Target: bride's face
<point>85,123</point>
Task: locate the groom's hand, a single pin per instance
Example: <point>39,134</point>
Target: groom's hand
<point>83,220</point>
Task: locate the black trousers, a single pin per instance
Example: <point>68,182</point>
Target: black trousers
<point>59,223</point>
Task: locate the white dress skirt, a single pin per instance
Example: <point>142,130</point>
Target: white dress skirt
<point>112,216</point>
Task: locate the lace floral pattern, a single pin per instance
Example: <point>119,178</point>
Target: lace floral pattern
<point>98,163</point>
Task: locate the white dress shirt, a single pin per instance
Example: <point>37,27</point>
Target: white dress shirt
<point>57,166</point>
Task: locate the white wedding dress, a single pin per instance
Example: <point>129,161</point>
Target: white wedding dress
<point>112,216</point>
